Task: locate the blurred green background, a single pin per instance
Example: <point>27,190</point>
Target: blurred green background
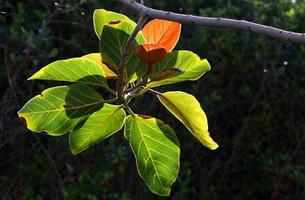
<point>254,98</point>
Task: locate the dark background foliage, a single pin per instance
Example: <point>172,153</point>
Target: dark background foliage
<point>253,96</point>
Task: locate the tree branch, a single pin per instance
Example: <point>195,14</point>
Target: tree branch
<point>218,22</point>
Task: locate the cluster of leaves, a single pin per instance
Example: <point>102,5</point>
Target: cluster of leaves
<point>259,114</point>
<point>89,118</point>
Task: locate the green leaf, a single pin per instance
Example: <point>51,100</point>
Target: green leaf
<point>188,110</point>
<point>102,17</point>
<point>156,149</point>
<point>78,70</point>
<point>58,109</point>
<point>98,126</point>
<point>97,58</point>
<point>190,63</point>
<point>113,40</point>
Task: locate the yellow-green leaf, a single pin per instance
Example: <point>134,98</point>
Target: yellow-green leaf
<point>58,109</point>
<point>98,126</point>
<point>187,109</point>
<point>97,58</point>
<point>78,70</point>
<point>192,65</point>
<point>102,17</point>
<point>156,149</point>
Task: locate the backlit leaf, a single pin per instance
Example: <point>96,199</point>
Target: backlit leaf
<point>188,110</point>
<point>163,33</point>
<point>79,70</point>
<point>58,109</point>
<point>156,149</point>
<point>102,17</point>
<point>150,53</point>
<point>98,126</point>
<point>113,40</point>
<point>97,58</point>
<point>190,63</point>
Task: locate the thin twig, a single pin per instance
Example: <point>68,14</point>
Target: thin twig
<point>138,84</point>
<point>218,22</point>
<point>128,109</point>
<point>154,92</point>
<point>124,58</point>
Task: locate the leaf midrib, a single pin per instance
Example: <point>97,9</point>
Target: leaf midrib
<point>149,154</point>
<point>65,109</point>
<point>188,125</point>
<point>94,132</point>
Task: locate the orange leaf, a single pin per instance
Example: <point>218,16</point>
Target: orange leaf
<point>150,53</point>
<point>163,33</point>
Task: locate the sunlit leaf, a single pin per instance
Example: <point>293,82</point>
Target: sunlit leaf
<point>79,70</point>
<point>102,17</point>
<point>156,149</point>
<point>113,40</point>
<point>98,126</point>
<point>190,63</point>
<point>58,109</point>
<point>163,33</point>
<point>150,53</point>
<point>97,58</point>
<point>188,110</point>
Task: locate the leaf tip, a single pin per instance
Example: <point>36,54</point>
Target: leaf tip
<point>210,143</point>
<point>214,146</point>
<point>37,75</point>
<point>165,192</point>
<point>31,78</point>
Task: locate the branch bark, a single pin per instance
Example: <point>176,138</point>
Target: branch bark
<point>218,22</point>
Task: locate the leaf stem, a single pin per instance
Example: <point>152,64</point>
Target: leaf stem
<point>138,85</point>
<point>121,83</point>
<point>128,109</point>
<point>154,91</point>
<point>144,89</point>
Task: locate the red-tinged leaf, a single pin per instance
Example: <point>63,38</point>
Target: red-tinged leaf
<point>150,53</point>
<point>145,116</point>
<point>163,33</point>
